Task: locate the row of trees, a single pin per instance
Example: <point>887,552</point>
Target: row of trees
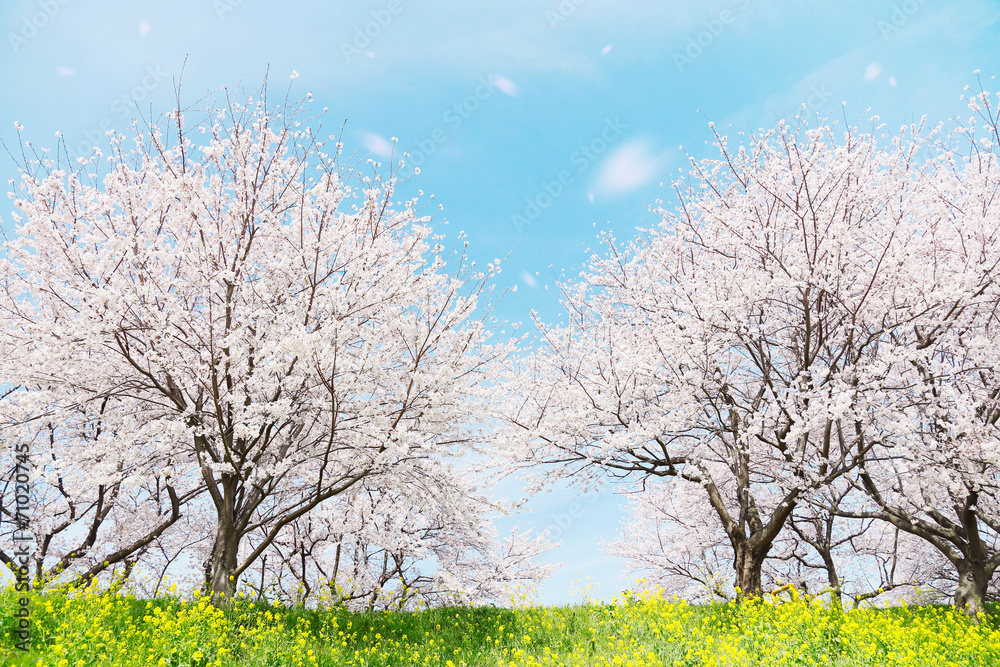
<point>229,349</point>
<point>800,360</point>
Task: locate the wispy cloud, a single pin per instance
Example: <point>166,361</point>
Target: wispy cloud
<point>377,144</point>
<point>504,85</point>
<point>872,71</point>
<point>629,168</point>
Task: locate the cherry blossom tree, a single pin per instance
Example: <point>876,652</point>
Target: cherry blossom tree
<point>942,483</point>
<point>393,548</point>
<point>672,539</point>
<point>762,341</point>
<point>90,515</point>
<point>257,312</point>
<point>863,560</point>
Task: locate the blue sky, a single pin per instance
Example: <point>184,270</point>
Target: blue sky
<point>531,120</point>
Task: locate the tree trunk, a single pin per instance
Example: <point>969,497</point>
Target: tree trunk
<point>748,565</point>
<point>224,559</point>
<point>833,581</point>
<point>224,563</point>
<point>971,590</point>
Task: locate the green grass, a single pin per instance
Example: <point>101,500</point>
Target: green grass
<point>73,630</point>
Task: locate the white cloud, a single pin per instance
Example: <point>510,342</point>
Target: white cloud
<point>607,49</point>
<point>377,144</point>
<point>892,81</point>
<point>65,71</point>
<point>629,168</point>
<point>872,71</point>
<point>529,279</point>
<point>504,85</point>
<point>144,28</point>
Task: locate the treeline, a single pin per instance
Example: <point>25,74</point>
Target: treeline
<point>229,347</point>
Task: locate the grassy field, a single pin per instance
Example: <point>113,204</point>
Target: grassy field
<point>108,629</point>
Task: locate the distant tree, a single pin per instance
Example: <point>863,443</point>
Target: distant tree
<point>384,548</point>
<point>862,560</point>
<point>672,539</point>
<point>254,311</point>
<point>90,515</point>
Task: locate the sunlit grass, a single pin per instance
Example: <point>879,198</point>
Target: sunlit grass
<point>89,628</point>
